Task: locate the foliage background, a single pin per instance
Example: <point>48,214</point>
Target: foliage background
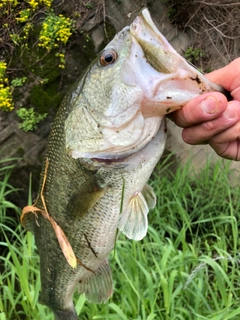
<point>186,268</point>
<point>37,60</point>
<point>193,238</point>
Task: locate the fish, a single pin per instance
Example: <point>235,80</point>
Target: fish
<point>108,135</point>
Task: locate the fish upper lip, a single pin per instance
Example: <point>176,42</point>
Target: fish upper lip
<point>156,48</point>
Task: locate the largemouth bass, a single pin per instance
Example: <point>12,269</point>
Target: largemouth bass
<point>107,137</point>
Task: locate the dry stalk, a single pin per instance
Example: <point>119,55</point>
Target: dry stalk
<point>215,27</point>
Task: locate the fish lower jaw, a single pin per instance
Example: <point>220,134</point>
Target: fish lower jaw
<point>123,162</point>
<point>109,161</point>
<point>114,162</point>
<point>103,157</point>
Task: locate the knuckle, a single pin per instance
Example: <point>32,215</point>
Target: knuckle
<point>208,126</point>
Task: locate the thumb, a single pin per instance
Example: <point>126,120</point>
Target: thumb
<point>228,77</point>
<point>205,107</point>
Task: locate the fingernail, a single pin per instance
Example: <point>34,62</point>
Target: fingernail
<point>210,105</point>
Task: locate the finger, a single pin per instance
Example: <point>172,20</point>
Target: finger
<point>206,130</point>
<point>228,77</point>
<point>203,108</point>
<point>228,135</point>
<point>228,150</point>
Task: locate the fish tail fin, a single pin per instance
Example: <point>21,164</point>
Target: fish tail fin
<point>65,315</point>
<point>98,288</point>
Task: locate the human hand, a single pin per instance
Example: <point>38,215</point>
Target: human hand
<point>211,118</point>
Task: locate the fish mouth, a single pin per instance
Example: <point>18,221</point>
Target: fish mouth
<point>153,79</point>
<point>175,81</point>
<point>158,52</point>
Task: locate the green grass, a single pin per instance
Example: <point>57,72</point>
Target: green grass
<point>7,192</point>
<point>186,268</point>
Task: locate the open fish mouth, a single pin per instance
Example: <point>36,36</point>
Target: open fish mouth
<point>144,80</point>
<point>156,48</point>
<point>177,81</point>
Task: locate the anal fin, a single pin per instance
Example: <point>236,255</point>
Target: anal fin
<point>65,315</point>
<point>98,288</point>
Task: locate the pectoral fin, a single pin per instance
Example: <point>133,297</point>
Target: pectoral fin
<point>98,288</point>
<point>134,222</point>
<point>86,197</point>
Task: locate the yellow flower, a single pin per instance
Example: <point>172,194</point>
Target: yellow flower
<point>6,103</point>
<point>55,28</point>
<point>47,3</point>
<point>14,3</point>
<point>34,4</point>
<point>24,16</point>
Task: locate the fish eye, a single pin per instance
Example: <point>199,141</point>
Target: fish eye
<point>108,57</point>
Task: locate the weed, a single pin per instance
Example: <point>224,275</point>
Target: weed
<point>56,29</point>
<point>29,118</point>
<point>6,192</point>
<point>194,54</point>
<point>187,267</point>
<point>89,5</point>
<point>19,23</point>
<point>18,82</point>
<point>171,12</point>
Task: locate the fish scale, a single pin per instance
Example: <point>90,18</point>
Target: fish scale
<point>101,226</point>
<point>106,139</point>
